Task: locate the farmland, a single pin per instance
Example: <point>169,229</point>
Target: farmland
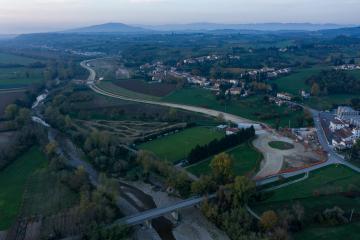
<point>13,180</point>
<point>153,89</point>
<point>8,97</point>
<point>6,58</point>
<point>176,147</point>
<point>246,159</point>
<point>47,195</point>
<point>252,107</point>
<point>19,77</point>
<point>323,189</point>
<point>128,131</point>
<point>295,82</point>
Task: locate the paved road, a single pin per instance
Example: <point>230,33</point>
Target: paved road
<point>209,112</point>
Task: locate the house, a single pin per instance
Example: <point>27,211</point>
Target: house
<point>221,127</point>
<point>343,111</point>
<point>343,139</point>
<point>235,91</point>
<point>305,94</point>
<point>232,131</point>
<point>337,124</point>
<point>284,96</point>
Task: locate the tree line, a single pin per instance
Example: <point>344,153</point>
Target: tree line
<point>216,146</point>
<point>333,82</point>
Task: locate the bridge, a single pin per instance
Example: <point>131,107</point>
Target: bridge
<point>146,216</point>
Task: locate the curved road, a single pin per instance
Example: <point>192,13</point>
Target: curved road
<point>209,112</point>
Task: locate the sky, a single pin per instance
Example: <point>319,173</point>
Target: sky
<point>20,16</point>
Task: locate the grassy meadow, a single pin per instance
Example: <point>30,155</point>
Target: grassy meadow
<point>246,160</point>
<point>176,147</point>
<point>13,180</point>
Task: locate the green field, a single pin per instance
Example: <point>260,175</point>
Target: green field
<point>19,77</point>
<point>327,102</point>
<point>6,58</point>
<point>295,82</point>
<point>246,159</point>
<point>13,181</point>
<point>321,190</point>
<point>46,194</point>
<point>344,232</point>
<point>281,145</point>
<point>176,147</point>
<point>251,108</point>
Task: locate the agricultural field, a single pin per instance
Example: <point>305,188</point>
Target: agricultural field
<point>246,160</point>
<point>152,89</point>
<point>325,188</point>
<point>19,77</point>
<point>7,98</point>
<point>295,82</point>
<point>251,107</point>
<point>176,147</point>
<point>13,180</point>
<point>6,58</point>
<point>46,195</point>
<point>128,131</point>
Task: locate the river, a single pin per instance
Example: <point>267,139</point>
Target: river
<point>69,150</point>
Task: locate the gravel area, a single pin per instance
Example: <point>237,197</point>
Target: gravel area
<point>193,224</point>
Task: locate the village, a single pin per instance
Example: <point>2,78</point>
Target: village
<point>238,87</point>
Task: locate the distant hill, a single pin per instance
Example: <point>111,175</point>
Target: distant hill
<point>350,32</point>
<point>109,28</point>
<point>256,27</point>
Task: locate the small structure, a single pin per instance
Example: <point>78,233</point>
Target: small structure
<point>284,96</point>
<point>221,127</point>
<point>305,94</point>
<point>232,131</point>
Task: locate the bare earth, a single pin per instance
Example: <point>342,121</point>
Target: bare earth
<point>275,160</point>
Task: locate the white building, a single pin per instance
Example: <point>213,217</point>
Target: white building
<point>284,96</point>
<point>337,124</point>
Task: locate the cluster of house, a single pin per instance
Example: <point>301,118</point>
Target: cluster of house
<point>202,59</point>
<point>345,128</point>
<point>348,67</point>
<point>271,72</point>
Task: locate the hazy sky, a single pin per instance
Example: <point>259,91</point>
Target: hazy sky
<point>44,15</point>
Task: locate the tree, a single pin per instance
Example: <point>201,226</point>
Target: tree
<point>221,167</point>
<point>50,148</point>
<point>24,116</point>
<point>315,89</point>
<point>355,152</point>
<point>11,111</point>
<point>242,189</point>
<point>203,186</point>
<point>220,118</point>
<point>268,220</point>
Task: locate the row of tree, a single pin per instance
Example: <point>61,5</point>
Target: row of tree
<point>333,82</point>
<point>216,146</point>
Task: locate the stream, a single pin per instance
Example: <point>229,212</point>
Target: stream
<point>127,192</point>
